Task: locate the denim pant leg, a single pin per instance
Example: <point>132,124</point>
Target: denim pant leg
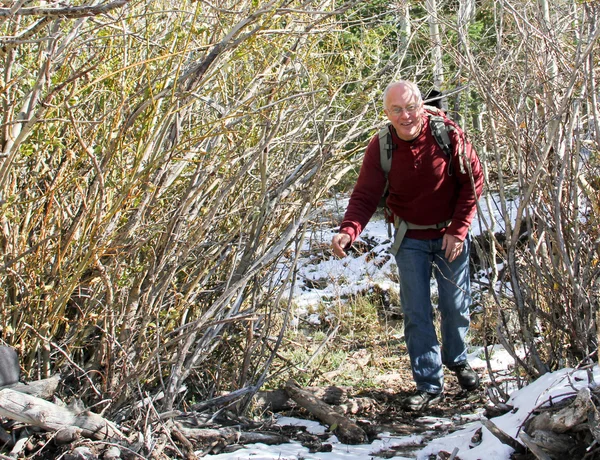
<point>415,261</point>
<point>454,287</point>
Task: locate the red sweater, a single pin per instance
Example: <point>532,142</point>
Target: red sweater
<point>420,189</point>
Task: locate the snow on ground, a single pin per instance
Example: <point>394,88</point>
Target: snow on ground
<point>295,451</point>
<point>327,278</point>
<point>552,386</point>
<point>343,278</point>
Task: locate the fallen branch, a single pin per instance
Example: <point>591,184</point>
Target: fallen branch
<point>222,400</point>
<point>503,437</point>
<point>231,436</point>
<point>67,12</point>
<point>279,400</point>
<point>346,431</point>
<point>44,388</point>
<point>39,412</point>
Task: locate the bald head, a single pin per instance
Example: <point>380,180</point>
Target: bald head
<point>410,89</point>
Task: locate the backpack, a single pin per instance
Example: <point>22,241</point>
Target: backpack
<point>439,130</point>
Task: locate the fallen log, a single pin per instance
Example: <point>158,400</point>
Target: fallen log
<point>31,410</point>
<point>231,436</point>
<point>279,400</point>
<point>346,430</point>
<point>44,388</point>
<point>560,429</point>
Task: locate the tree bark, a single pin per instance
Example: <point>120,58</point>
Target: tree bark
<point>231,436</point>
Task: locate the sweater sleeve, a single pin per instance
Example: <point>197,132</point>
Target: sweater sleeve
<point>466,166</point>
<point>366,194</point>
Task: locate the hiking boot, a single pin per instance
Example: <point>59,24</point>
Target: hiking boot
<point>467,377</point>
<point>422,399</point>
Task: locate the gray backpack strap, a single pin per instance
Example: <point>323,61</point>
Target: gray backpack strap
<point>439,131</point>
<point>385,149</point>
<point>402,226</point>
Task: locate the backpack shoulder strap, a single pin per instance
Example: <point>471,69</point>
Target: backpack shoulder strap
<point>439,131</point>
<point>385,149</point>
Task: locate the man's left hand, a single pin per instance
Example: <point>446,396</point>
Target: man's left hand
<point>453,246</point>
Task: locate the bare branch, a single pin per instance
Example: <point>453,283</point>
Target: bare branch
<point>68,12</point>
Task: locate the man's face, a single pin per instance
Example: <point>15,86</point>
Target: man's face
<point>404,109</point>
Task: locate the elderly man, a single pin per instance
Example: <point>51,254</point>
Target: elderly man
<point>433,198</point>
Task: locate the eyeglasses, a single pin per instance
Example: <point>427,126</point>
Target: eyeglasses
<point>399,110</point>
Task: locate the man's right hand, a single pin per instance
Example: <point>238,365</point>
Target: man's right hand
<point>339,242</point>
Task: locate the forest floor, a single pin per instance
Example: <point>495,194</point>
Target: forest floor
<point>387,414</point>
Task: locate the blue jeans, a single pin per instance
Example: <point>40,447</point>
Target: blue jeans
<point>416,261</point>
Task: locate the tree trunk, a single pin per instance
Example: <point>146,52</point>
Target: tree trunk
<point>436,47</point>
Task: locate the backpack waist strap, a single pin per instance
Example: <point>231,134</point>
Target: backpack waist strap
<point>402,226</point>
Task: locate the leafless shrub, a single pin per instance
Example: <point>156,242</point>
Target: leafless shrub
<point>156,165</point>
<point>538,124</point>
